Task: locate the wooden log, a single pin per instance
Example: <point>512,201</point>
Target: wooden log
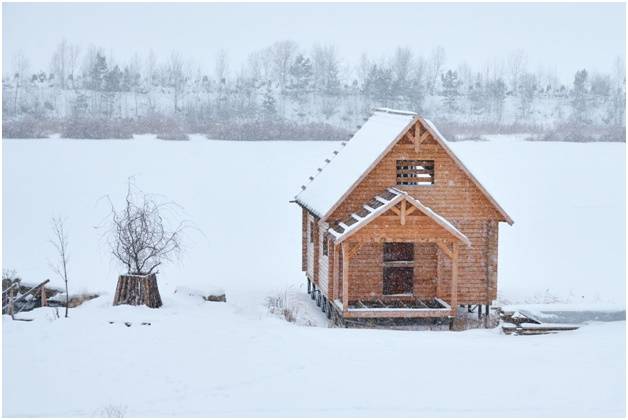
<point>137,290</point>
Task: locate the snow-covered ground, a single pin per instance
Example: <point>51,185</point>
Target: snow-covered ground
<point>197,358</point>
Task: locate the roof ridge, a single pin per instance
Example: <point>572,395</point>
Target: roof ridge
<point>394,111</point>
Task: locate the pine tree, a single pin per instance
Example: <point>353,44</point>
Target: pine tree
<point>98,72</point>
<point>451,84</point>
<point>269,106</point>
<point>579,97</point>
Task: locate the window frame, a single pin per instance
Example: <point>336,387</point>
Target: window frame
<point>410,176</point>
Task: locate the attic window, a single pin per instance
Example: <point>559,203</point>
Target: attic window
<point>325,245</point>
<point>415,172</point>
<point>311,232</point>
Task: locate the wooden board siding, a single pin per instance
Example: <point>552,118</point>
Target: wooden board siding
<point>310,248</point>
<point>304,239</point>
<point>453,195</point>
<point>425,264</point>
<point>366,274</point>
<point>323,260</point>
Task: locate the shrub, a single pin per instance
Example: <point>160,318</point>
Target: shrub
<point>27,127</point>
<point>275,129</point>
<point>97,128</point>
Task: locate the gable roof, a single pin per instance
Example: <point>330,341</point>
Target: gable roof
<point>360,155</point>
<point>382,203</point>
<point>343,171</point>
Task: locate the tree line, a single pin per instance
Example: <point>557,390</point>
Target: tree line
<point>288,91</point>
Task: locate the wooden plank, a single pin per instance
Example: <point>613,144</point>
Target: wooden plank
<point>424,136</point>
<point>402,216</point>
<point>404,313</point>
<point>345,276</point>
<point>454,281</point>
<point>445,249</point>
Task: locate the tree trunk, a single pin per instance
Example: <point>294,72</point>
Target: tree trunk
<point>137,290</point>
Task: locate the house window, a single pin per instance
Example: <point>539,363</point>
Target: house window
<point>325,245</point>
<point>311,232</point>
<point>398,272</point>
<point>415,172</point>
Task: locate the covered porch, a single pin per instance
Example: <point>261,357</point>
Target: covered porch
<point>399,260</point>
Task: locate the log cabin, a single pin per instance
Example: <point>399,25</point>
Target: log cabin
<point>394,226</point>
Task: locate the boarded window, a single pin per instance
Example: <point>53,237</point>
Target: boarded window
<point>325,245</point>
<point>398,273</point>
<point>398,280</point>
<point>415,172</point>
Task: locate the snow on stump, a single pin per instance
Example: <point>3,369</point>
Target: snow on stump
<point>222,297</point>
<point>137,290</point>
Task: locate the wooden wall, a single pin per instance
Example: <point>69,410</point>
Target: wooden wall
<point>366,276</point>
<point>454,196</point>
<point>323,260</point>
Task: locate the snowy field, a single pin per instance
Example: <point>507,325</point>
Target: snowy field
<point>567,247</point>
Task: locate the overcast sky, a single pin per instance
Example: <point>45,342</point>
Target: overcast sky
<point>558,37</point>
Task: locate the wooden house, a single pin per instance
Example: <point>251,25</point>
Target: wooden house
<point>395,226</point>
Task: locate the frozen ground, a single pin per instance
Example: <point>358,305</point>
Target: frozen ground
<point>200,359</point>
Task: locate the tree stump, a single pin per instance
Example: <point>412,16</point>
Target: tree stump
<point>137,290</point>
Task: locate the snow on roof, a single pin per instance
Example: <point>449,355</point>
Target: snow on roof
<point>438,136</point>
<point>379,205</point>
<point>344,170</point>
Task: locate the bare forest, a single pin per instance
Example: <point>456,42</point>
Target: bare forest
<point>292,92</point>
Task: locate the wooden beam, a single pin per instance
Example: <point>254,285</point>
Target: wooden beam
<point>424,136</point>
<point>417,137</point>
<point>353,249</point>
<point>445,249</point>
<point>410,210</point>
<point>454,281</point>
<point>345,277</point>
<point>403,212</point>
<point>395,210</point>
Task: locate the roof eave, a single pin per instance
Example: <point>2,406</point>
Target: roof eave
<point>437,136</point>
<point>370,168</point>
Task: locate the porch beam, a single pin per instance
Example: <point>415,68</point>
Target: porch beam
<point>403,212</point>
<point>446,250</point>
<point>345,277</point>
<point>454,281</point>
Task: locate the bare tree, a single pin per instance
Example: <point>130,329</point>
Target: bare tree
<point>176,78</point>
<point>140,239</point>
<point>60,242</point>
<point>516,67</point>
<point>437,61</point>
<point>222,66</point>
<point>20,66</point>
<point>283,53</point>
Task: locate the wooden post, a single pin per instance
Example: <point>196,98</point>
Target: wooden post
<point>44,301</point>
<point>403,212</point>
<point>345,277</point>
<point>454,280</point>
